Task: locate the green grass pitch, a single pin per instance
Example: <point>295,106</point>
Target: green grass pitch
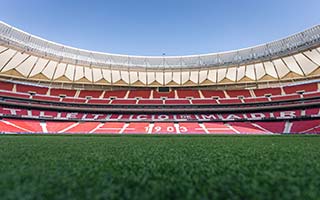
<point>159,167</point>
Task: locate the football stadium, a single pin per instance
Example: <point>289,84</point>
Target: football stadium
<point>84,124</point>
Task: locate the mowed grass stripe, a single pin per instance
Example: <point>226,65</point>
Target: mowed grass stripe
<point>159,167</point>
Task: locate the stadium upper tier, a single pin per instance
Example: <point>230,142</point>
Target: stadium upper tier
<point>25,56</point>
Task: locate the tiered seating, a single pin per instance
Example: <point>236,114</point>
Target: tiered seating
<point>30,88</point>
<point>137,128</point>
<point>46,98</point>
<point>267,91</point>
<point>15,95</point>
<point>73,100</point>
<point>213,93</point>
<point>191,128</point>
<point>246,127</point>
<point>62,92</point>
<point>204,101</point>
<point>109,127</point>
<point>188,93</point>
<point>139,93</point>
<point>311,87</point>
<point>238,93</point>
<point>117,94</point>
<point>285,98</point>
<point>163,128</point>
<point>230,101</point>
<point>312,126</point>
<point>6,86</point>
<point>313,111</point>
<point>157,94</point>
<point>177,101</point>
<point>150,122</point>
<point>273,127</point>
<point>150,101</point>
<point>33,126</point>
<point>181,97</point>
<point>57,127</point>
<point>82,127</point>
<point>7,127</point>
<point>98,101</point>
<point>124,101</point>
<point>218,128</point>
<point>255,100</point>
<point>90,93</point>
<point>311,95</point>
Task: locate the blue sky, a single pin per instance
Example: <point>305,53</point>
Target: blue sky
<point>153,27</point>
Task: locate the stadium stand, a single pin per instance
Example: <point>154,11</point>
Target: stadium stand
<point>157,94</point>
<point>238,92</point>
<point>116,94</point>
<point>139,94</point>
<point>188,93</point>
<point>62,92</point>
<point>267,91</point>
<point>87,127</point>
<point>90,93</point>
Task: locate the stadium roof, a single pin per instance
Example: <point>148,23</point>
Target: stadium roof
<point>23,55</point>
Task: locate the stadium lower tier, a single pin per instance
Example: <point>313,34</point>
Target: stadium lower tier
<point>7,112</point>
<point>16,126</point>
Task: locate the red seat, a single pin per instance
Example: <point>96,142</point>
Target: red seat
<point>158,95</point>
<point>273,127</point>
<point>213,93</point>
<point>310,126</point>
<point>218,128</point>
<point>7,127</point>
<point>90,93</point>
<point>164,127</point>
<point>139,93</point>
<point>177,101</point>
<point>204,101</point>
<point>32,125</point>
<point>310,87</point>
<point>150,101</point>
<point>6,86</point>
<point>137,128</point>
<point>30,88</point>
<point>16,95</point>
<point>246,128</point>
<point>57,126</point>
<point>255,100</point>
<point>311,95</point>
<point>73,100</point>
<point>237,93</point>
<point>46,98</point>
<point>188,93</point>
<point>83,127</point>
<point>124,101</point>
<point>110,128</point>
<point>63,92</point>
<point>190,128</point>
<point>230,101</point>
<point>264,91</point>
<point>117,94</point>
<point>98,101</point>
<point>285,97</point>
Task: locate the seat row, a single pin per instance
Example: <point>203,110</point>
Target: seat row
<point>86,116</point>
<point>57,127</point>
<point>153,94</point>
<point>169,101</point>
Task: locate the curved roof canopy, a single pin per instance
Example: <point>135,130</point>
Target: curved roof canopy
<point>26,56</point>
